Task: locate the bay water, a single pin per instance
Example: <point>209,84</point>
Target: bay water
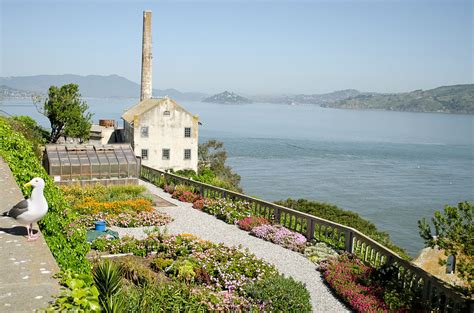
<point>392,168</point>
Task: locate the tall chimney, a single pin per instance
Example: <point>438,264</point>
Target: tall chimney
<point>146,86</point>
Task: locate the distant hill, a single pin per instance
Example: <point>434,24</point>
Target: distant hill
<point>446,99</point>
<point>317,99</point>
<point>95,86</point>
<point>227,97</point>
<point>7,92</point>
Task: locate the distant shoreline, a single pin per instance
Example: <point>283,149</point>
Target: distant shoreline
<point>243,104</point>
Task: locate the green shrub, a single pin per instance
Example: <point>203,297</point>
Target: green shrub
<point>282,294</point>
<point>136,270</point>
<point>66,241</point>
<point>79,295</point>
<point>165,297</point>
<point>34,133</point>
<point>160,264</point>
<point>344,217</point>
<point>207,176</point>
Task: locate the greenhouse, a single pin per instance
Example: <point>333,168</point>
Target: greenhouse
<point>88,164</point>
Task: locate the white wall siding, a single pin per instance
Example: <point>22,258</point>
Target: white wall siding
<point>167,132</point>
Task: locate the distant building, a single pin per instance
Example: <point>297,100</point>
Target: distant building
<point>104,133</point>
<point>160,131</point>
<point>163,134</point>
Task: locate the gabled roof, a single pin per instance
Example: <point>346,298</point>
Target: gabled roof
<point>148,104</point>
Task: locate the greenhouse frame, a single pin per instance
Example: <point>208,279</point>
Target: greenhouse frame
<point>114,164</point>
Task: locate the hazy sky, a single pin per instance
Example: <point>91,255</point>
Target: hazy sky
<point>247,46</point>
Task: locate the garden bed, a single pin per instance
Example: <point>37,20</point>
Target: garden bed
<point>202,276</point>
<point>361,287</point>
<point>121,206</point>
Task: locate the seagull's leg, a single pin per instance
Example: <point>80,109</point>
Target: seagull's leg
<point>32,237</point>
<point>28,231</point>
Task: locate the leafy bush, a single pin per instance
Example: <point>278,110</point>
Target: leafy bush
<point>454,230</point>
<point>281,294</point>
<point>66,241</point>
<point>34,133</point>
<point>79,295</point>
<point>345,217</point>
<point>250,222</point>
<point>136,270</point>
<point>281,236</point>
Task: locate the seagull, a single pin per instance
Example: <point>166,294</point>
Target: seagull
<point>31,210</point>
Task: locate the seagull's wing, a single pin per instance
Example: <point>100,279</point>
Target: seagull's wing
<point>19,208</point>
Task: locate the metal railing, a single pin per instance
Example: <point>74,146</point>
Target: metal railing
<point>435,294</point>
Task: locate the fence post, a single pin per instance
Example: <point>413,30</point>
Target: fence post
<point>426,291</point>
<point>349,238</point>
<point>277,213</point>
<point>309,229</point>
<point>201,190</point>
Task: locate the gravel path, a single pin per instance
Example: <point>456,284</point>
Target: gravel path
<point>189,220</point>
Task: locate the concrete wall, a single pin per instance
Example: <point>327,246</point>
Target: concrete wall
<point>167,132</point>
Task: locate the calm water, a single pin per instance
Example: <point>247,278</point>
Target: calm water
<point>392,168</point>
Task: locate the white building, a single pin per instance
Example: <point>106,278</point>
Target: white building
<point>163,134</point>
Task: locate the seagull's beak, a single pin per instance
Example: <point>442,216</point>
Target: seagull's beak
<point>27,184</point>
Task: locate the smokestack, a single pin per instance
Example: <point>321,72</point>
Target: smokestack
<point>146,86</point>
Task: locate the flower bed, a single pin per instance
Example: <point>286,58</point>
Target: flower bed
<point>220,278</point>
<point>281,236</point>
<point>122,206</point>
<point>92,206</point>
<point>345,275</point>
<point>227,210</point>
<point>367,289</point>
<point>140,219</point>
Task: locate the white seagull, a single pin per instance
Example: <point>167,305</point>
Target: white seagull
<point>31,210</point>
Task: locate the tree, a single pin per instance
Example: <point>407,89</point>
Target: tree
<point>66,113</point>
<point>212,156</point>
<point>454,233</point>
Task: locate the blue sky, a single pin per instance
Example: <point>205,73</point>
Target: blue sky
<point>252,47</point>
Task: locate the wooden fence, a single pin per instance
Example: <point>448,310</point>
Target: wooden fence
<point>434,293</point>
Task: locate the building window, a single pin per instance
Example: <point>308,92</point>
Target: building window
<point>144,131</point>
<point>167,113</point>
<point>144,154</point>
<point>165,154</point>
<point>187,132</point>
<point>187,154</point>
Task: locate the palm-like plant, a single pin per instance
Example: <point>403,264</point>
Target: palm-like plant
<point>108,280</point>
